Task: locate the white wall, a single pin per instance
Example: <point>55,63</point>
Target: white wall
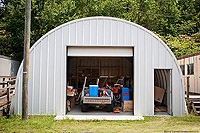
<point>47,76</point>
<point>8,66</point>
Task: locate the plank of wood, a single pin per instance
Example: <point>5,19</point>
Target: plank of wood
<point>3,83</point>
<point>3,107</point>
<point>8,95</point>
<point>7,76</point>
<point>194,100</point>
<point>12,82</point>
<point>11,87</point>
<point>3,100</point>
<point>8,82</point>
<point>3,92</point>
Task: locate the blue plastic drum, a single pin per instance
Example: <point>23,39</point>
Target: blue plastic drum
<point>93,90</point>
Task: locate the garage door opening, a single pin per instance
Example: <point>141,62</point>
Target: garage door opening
<point>111,78</point>
<point>162,92</point>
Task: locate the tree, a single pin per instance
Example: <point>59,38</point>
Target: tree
<point>47,14</point>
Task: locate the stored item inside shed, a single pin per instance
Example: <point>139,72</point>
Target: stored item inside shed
<point>162,91</point>
<point>100,83</point>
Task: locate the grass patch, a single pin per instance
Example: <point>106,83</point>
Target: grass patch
<point>149,124</point>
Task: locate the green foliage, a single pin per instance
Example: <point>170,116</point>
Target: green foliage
<point>47,14</point>
<point>183,44</point>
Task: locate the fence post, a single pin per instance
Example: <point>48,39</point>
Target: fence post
<point>187,94</point>
<point>3,82</point>
<point>8,102</point>
<point>188,88</point>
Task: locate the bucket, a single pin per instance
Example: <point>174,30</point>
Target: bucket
<point>69,88</point>
<point>93,90</point>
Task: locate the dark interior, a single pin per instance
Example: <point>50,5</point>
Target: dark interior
<point>110,71</point>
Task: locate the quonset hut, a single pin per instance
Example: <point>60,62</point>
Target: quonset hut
<point>146,59</point>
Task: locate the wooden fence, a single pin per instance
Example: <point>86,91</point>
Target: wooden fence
<point>7,88</point>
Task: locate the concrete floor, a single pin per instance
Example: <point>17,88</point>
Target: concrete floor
<point>102,114</point>
<point>76,110</point>
<point>161,114</point>
<point>100,117</point>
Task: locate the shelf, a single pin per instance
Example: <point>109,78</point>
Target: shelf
<point>88,67</point>
<point>109,67</point>
<point>95,71</point>
<point>87,77</point>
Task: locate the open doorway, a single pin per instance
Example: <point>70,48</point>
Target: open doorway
<point>113,77</point>
<point>162,92</point>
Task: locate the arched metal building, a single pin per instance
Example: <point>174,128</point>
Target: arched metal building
<point>153,64</point>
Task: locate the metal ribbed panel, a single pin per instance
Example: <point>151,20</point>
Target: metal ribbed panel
<point>43,74</point>
<point>48,63</point>
<point>51,74</point>
<point>58,71</point>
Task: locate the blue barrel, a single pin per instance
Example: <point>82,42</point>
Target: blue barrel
<point>125,97</point>
<point>125,90</point>
<point>125,94</point>
<point>93,90</point>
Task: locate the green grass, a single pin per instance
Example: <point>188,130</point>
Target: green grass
<point>48,124</point>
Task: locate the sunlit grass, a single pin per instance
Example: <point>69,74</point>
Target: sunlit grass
<point>149,124</point>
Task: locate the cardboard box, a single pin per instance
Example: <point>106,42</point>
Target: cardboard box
<point>128,106</point>
<point>158,94</point>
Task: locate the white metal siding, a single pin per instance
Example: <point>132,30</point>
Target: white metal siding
<point>48,63</point>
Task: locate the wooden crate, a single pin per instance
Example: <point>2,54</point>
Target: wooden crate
<point>128,106</point>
